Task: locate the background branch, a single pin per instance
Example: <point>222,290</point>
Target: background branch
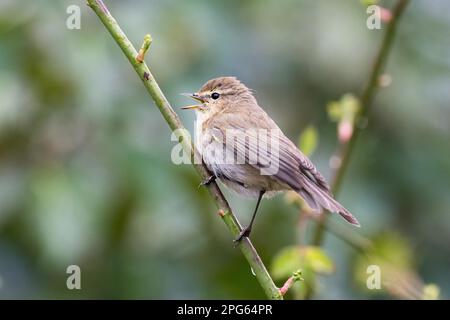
<point>345,150</point>
<point>225,212</point>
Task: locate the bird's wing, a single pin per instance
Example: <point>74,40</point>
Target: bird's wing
<point>257,137</point>
<point>294,168</point>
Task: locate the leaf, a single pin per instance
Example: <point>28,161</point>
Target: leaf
<point>285,262</point>
<point>306,258</point>
<point>311,260</point>
<point>431,292</point>
<point>369,2</point>
<point>334,111</point>
<point>392,254</point>
<point>346,108</point>
<point>350,104</point>
<point>308,140</point>
<point>318,260</point>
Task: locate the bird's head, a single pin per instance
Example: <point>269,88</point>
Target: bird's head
<point>220,93</point>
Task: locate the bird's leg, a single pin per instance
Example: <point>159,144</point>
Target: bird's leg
<point>246,231</point>
<point>207,181</point>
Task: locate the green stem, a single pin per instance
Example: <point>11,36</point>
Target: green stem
<point>172,119</point>
<point>366,101</point>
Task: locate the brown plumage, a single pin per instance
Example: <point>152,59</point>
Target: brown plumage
<point>230,125</point>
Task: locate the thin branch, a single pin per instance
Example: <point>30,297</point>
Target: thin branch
<point>399,283</point>
<point>144,48</point>
<point>365,101</point>
<point>172,119</point>
<point>296,276</point>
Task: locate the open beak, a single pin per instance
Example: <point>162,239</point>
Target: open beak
<point>190,107</point>
<point>195,97</point>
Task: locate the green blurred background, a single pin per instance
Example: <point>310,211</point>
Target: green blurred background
<point>85,171</point>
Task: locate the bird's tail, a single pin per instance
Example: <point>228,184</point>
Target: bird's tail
<point>318,198</point>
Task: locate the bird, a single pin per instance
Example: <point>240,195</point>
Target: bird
<point>229,129</point>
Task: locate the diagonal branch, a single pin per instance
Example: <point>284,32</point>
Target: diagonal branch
<point>172,119</point>
<point>365,101</point>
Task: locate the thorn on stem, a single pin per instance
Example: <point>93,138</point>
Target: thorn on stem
<point>221,213</point>
<point>144,48</point>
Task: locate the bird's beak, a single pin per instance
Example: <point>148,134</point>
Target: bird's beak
<point>194,96</point>
<point>191,107</point>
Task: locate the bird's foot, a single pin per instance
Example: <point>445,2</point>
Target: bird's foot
<point>207,181</point>
<point>244,233</point>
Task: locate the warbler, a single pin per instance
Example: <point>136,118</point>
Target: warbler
<point>258,160</point>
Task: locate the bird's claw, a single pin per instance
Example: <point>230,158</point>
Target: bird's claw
<point>207,181</point>
<point>244,233</point>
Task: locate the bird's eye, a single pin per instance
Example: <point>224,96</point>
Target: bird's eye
<point>215,95</point>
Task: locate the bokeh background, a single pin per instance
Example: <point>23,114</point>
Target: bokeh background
<point>85,171</point>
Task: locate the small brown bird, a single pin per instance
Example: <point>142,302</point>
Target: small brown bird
<point>245,162</point>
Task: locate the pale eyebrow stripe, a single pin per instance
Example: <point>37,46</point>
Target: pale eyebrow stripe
<point>223,92</point>
<point>226,92</point>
